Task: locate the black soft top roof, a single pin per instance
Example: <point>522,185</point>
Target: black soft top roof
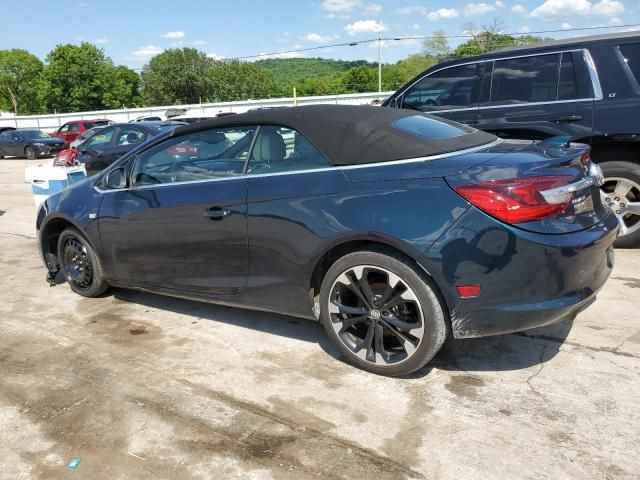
<point>350,134</point>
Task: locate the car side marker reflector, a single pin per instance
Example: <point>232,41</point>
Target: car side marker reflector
<point>468,291</point>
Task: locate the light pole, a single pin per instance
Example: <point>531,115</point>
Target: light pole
<point>379,64</point>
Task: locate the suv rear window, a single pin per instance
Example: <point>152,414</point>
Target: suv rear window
<point>525,79</point>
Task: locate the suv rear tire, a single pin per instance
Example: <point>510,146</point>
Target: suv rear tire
<point>622,186</point>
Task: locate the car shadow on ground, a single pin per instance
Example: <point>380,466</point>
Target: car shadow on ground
<point>497,353</point>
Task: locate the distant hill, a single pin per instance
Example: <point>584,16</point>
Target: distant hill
<point>289,72</point>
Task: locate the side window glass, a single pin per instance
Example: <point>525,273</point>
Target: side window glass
<point>74,127</point>
<point>525,79</point>
<point>196,156</point>
<point>280,149</point>
<point>568,82</point>
<point>64,128</point>
<point>15,136</point>
<point>4,136</point>
<point>450,88</point>
<point>575,81</point>
<point>130,136</point>
<point>629,56</point>
<point>100,139</point>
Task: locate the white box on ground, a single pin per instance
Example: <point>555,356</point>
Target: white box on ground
<point>46,180</point>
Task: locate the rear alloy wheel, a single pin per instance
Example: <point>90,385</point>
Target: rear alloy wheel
<point>382,313</point>
<point>30,153</point>
<point>621,192</point>
<point>80,265</point>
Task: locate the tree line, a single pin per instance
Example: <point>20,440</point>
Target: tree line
<point>81,77</point>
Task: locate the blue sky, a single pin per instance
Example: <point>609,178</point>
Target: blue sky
<point>132,31</point>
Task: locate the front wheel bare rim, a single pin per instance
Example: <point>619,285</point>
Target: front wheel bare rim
<point>376,315</point>
<point>77,264</point>
<point>622,196</point>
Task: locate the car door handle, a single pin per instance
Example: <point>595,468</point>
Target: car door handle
<point>567,119</point>
<point>217,213</point>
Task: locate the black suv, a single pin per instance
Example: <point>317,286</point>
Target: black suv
<point>587,89</point>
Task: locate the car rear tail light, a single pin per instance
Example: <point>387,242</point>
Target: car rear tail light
<point>468,291</point>
<point>517,200</point>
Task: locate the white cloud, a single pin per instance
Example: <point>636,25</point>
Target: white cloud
<point>442,13</point>
<point>200,42</point>
<point>176,34</point>
<point>566,26</point>
<point>561,8</point>
<point>372,9</point>
<point>100,40</point>
<point>607,8</point>
<point>215,56</point>
<point>414,26</point>
<point>615,21</point>
<point>500,4</point>
<point>524,29</point>
<point>315,37</point>
<point>412,10</point>
<point>519,10</point>
<point>147,52</point>
<point>472,9</point>
<point>340,6</point>
<point>83,4</point>
<point>365,26</point>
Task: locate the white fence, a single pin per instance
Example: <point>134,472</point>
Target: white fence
<point>51,122</point>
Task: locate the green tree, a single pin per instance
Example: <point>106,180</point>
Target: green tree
<point>20,81</point>
<point>360,79</point>
<point>231,80</point>
<point>82,77</point>
<point>437,45</point>
<point>124,89</point>
<point>176,76</point>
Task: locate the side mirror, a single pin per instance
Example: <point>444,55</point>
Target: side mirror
<point>116,179</point>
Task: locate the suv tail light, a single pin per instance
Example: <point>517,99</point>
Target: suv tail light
<point>516,200</point>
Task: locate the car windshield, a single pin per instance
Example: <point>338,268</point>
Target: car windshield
<point>33,134</point>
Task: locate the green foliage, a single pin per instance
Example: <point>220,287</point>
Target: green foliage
<point>486,41</point>
<point>82,77</point>
<point>232,80</point>
<point>20,81</point>
<point>176,76</point>
<point>305,73</point>
<point>437,46</point>
<point>188,76</point>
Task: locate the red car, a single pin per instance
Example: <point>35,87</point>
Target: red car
<point>70,131</point>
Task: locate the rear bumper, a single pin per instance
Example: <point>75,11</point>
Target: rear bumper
<point>527,280</point>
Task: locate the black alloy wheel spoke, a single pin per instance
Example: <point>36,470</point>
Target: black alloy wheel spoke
<point>347,323</point>
<point>400,335</point>
<point>350,310</point>
<point>379,338</point>
<point>402,325</point>
<point>366,288</point>
<point>366,342</point>
<point>355,288</point>
<point>393,302</point>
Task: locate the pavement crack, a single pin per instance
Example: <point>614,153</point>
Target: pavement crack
<point>550,338</point>
<point>19,235</point>
<point>535,374</point>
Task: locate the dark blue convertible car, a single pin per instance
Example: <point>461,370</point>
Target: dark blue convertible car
<point>394,228</point>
